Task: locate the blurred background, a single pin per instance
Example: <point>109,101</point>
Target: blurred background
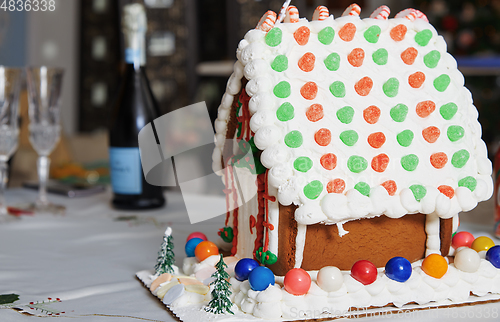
<point>191,48</point>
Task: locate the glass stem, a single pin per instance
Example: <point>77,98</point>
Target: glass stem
<point>43,174</point>
<point>3,183</point>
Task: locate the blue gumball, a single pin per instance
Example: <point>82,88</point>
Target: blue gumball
<point>398,269</point>
<point>243,268</point>
<point>191,246</point>
<point>493,256</point>
<point>260,278</point>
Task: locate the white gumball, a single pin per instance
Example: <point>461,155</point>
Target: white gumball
<point>467,260</point>
<point>330,279</point>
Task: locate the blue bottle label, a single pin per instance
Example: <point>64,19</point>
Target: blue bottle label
<point>126,170</point>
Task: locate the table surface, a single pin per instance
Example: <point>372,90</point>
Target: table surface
<point>89,256</point>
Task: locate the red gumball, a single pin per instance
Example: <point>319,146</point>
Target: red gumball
<point>462,239</point>
<point>297,281</point>
<point>196,234</point>
<point>364,272</point>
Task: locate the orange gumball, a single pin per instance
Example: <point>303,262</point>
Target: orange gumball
<point>205,249</point>
<point>435,265</point>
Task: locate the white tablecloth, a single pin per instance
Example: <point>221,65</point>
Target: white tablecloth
<point>88,258</point>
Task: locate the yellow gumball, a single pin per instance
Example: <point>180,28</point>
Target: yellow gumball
<point>435,265</point>
<point>482,243</point>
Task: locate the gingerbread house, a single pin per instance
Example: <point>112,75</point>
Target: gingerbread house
<point>366,142</point>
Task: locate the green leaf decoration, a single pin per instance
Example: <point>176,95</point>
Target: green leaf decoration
<point>226,234</point>
<point>8,298</point>
<point>266,258</point>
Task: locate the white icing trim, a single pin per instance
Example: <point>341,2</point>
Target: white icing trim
<point>433,244</point>
<point>274,216</point>
<point>300,242</point>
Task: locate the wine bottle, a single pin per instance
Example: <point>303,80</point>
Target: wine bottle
<point>135,107</point>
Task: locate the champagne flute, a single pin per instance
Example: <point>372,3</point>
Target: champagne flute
<point>44,89</point>
<point>10,83</point>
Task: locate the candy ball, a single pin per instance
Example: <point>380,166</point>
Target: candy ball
<point>297,281</point>
<point>482,243</point>
<point>196,234</point>
<point>461,239</point>
<point>191,246</point>
<point>435,265</point>
<point>467,260</point>
<point>330,279</point>
<point>364,272</point>
<point>205,249</point>
<point>260,278</point>
<point>398,269</point>
<point>493,256</point>
<point>244,267</point>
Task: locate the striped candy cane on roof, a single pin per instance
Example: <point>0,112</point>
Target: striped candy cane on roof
<point>267,21</point>
<point>320,13</point>
<point>292,14</point>
<point>281,16</point>
<point>352,10</point>
<point>411,14</point>
<point>381,13</point>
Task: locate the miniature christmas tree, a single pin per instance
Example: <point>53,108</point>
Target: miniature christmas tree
<point>220,302</point>
<point>166,259</point>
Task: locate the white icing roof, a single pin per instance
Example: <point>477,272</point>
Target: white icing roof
<point>455,163</point>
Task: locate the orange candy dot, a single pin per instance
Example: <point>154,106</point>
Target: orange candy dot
<point>314,113</point>
<point>323,137</point>
<point>380,162</point>
<point>328,161</point>
<point>356,57</point>
<point>390,186</point>
<point>408,56</point>
<point>371,114</point>
<point>364,86</point>
<point>301,35</point>
<point>447,191</point>
<point>335,186</point>
<point>416,80</point>
<point>435,265</point>
<point>306,62</point>
<point>425,108</point>
<point>398,33</point>
<point>376,140</point>
<point>309,90</point>
<point>346,33</point>
<point>205,249</point>
<point>439,159</point>
<point>431,134</point>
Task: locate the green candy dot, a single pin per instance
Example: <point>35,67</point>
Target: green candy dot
<point>455,133</point>
<point>285,112</point>
<point>273,37</point>
<point>371,34</point>
<point>468,182</point>
<point>294,139</point>
<point>405,138</point>
<point>280,63</point>
<point>419,191</point>
<point>282,89</point>
<point>325,36</point>
<point>409,162</point>
<point>332,62</point>
<point>380,56</point>
<point>449,110</point>
<point>391,87</point>
<point>432,59</point>
<point>349,137</point>
<point>460,158</point>
<point>303,164</point>
<point>313,189</point>
<point>357,164</point>
<point>399,112</point>
<point>423,37</point>
<point>441,82</point>
<point>345,114</point>
<point>337,89</point>
<point>363,188</point>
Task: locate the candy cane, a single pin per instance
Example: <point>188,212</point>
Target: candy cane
<point>412,14</point>
<point>292,14</point>
<point>267,21</point>
<point>381,13</point>
<point>321,13</point>
<point>281,16</point>
<point>352,10</point>
<point>421,15</point>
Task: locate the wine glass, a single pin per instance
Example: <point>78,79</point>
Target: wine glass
<point>10,83</point>
<point>44,92</point>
